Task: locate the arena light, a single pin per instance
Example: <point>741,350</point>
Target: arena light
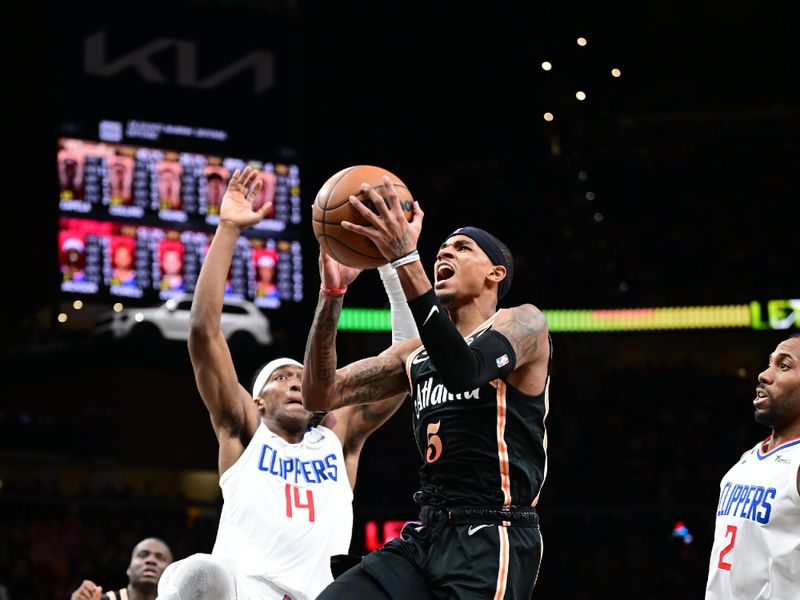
<point>771,315</point>
<point>365,319</point>
<point>582,41</point>
<point>77,305</point>
<point>615,72</point>
<point>649,319</point>
<point>580,95</point>
<point>548,116</point>
<point>546,66</point>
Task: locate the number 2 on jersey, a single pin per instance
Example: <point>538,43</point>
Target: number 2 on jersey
<point>723,564</point>
<point>293,500</point>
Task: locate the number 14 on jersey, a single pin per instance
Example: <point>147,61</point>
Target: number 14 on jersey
<point>293,502</point>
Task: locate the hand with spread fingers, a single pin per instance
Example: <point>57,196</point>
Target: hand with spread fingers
<point>388,228</point>
<point>237,203</point>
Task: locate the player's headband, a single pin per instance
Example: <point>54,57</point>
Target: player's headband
<point>488,244</point>
<point>269,369</point>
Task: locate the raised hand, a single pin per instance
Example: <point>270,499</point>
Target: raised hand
<point>88,590</point>
<point>237,203</point>
<point>388,229</point>
<point>334,274</point>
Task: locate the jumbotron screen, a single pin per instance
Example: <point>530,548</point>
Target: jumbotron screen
<point>136,222</point>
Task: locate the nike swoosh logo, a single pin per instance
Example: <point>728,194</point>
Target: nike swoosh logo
<point>421,357</point>
<point>475,528</point>
<point>434,310</point>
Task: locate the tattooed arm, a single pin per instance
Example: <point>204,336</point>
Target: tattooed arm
<point>525,328</point>
<point>365,381</point>
<point>361,396</point>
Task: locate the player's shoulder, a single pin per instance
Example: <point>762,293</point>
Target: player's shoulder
<point>525,314</point>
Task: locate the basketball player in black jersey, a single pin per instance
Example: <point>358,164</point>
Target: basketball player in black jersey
<point>478,379</point>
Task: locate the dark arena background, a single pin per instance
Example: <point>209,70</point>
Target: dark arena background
<point>639,159</point>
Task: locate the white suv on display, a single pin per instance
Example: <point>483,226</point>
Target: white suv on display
<point>241,322</point>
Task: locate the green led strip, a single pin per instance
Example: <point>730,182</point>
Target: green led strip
<point>775,314</point>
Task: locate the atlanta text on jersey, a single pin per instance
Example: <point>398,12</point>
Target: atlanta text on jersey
<point>431,395</point>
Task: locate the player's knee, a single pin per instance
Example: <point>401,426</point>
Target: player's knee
<point>197,577</point>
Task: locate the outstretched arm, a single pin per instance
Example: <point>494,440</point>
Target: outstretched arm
<point>369,380</point>
<point>354,424</point>
<point>233,413</point>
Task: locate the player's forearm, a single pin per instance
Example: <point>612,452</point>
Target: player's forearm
<point>210,290</point>
<point>319,372</point>
<point>414,280</point>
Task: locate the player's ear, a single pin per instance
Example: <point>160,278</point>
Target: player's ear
<point>497,273</point>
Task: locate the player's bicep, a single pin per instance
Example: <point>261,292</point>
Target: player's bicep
<point>525,327</point>
<point>371,380</point>
<point>226,400</point>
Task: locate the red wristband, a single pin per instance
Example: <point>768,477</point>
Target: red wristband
<point>335,292</point>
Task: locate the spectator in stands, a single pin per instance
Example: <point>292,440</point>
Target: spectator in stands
<point>148,560</point>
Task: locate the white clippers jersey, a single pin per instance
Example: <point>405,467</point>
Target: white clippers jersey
<point>287,509</point>
<point>756,552</point>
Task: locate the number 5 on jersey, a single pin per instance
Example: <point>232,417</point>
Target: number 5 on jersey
<point>293,501</point>
<point>434,443</point>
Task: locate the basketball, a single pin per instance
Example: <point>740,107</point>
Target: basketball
<point>332,206</point>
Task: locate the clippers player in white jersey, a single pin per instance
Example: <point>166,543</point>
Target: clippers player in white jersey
<point>287,484</point>
<point>756,551</point>
<point>480,392</point>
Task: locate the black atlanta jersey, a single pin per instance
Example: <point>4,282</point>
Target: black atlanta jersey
<point>482,447</point>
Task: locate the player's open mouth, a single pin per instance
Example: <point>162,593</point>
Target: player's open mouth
<point>444,272</point>
<point>761,396</point>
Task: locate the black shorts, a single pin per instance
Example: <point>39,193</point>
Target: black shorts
<point>461,553</point>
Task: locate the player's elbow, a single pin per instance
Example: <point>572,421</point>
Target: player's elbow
<point>200,333</point>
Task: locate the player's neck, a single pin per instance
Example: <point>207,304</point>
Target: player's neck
<point>292,435</point>
<point>782,436</point>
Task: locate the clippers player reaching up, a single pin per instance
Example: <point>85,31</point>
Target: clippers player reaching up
<point>286,484</point>
<point>756,551</point>
<point>479,381</point>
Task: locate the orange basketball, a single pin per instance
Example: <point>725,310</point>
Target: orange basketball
<point>332,206</point>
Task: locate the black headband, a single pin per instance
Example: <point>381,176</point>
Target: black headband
<point>488,244</point>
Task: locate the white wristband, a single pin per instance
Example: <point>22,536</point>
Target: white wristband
<point>412,256</point>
